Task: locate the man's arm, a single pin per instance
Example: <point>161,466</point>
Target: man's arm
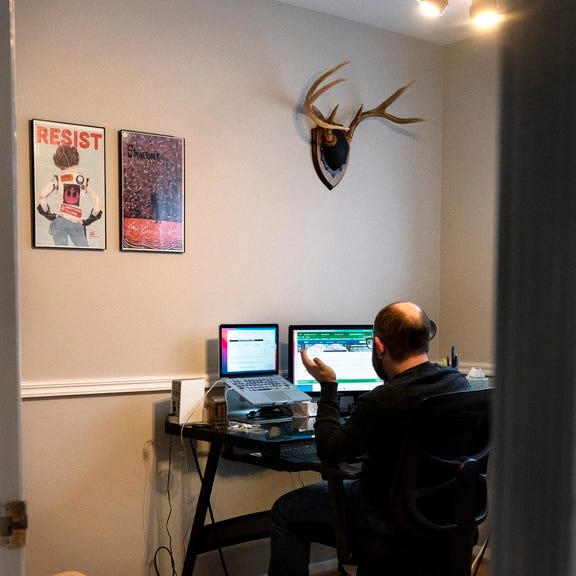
<point>333,441</point>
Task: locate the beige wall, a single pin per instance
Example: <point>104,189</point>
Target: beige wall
<point>96,476</point>
<point>469,200</point>
<point>265,240</point>
<point>227,76</point>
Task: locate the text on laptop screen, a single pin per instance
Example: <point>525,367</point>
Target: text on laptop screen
<point>347,349</point>
<point>248,349</point>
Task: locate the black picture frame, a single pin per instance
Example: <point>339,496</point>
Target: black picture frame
<point>68,167</point>
<point>151,192</point>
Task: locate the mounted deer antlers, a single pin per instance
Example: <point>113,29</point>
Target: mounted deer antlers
<point>331,141</point>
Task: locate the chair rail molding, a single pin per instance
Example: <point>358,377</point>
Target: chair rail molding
<point>141,384</point>
<point>93,387</point>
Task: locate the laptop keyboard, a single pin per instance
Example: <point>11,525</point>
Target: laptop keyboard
<point>259,384</point>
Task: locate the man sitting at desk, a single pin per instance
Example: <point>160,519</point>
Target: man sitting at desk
<point>402,333</point>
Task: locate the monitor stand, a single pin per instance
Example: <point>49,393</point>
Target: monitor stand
<point>240,410</point>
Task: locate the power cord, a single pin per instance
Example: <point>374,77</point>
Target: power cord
<point>158,550</point>
<point>168,548</point>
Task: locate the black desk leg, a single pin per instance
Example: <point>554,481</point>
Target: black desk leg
<point>194,544</point>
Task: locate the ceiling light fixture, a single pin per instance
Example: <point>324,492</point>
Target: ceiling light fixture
<point>485,13</point>
<point>433,7</point>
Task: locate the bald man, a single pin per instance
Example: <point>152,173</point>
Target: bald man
<point>401,339</point>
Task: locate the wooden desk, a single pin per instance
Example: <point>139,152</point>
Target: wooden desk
<point>262,448</point>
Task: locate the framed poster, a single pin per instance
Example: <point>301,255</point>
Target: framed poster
<point>68,185</point>
<point>151,192</point>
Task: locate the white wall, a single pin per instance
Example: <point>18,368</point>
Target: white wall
<point>228,77</point>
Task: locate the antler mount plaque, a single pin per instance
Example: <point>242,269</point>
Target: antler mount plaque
<point>331,141</point>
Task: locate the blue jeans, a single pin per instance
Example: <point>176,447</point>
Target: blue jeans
<point>310,506</point>
<point>62,229</point>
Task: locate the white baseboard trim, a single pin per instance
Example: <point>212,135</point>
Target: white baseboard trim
<point>323,567</point>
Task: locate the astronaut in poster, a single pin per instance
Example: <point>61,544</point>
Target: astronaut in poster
<point>69,202</point>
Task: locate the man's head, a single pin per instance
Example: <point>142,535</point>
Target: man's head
<point>402,333</point>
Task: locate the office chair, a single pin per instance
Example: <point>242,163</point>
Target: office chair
<point>438,496</point>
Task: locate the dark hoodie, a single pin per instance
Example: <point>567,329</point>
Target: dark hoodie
<point>376,425</point>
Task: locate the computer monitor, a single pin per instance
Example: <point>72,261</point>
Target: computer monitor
<point>346,348</point>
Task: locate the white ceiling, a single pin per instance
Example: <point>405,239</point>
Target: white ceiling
<point>403,16</point>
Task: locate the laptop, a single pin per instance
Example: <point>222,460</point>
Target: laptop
<point>249,365</point>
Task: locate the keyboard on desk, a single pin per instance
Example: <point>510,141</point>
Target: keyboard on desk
<point>300,452</point>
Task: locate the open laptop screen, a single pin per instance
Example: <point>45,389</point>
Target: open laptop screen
<point>248,350</point>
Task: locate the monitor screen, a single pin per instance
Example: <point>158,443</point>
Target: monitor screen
<point>248,349</point>
<point>346,348</point>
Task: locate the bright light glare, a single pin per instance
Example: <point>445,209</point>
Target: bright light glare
<point>487,19</point>
<point>431,8</point>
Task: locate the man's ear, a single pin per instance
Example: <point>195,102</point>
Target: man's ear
<point>380,346</point>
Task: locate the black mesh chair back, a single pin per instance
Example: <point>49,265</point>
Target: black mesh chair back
<point>438,496</point>
<point>440,485</point>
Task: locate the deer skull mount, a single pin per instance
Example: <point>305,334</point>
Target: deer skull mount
<point>331,141</point>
